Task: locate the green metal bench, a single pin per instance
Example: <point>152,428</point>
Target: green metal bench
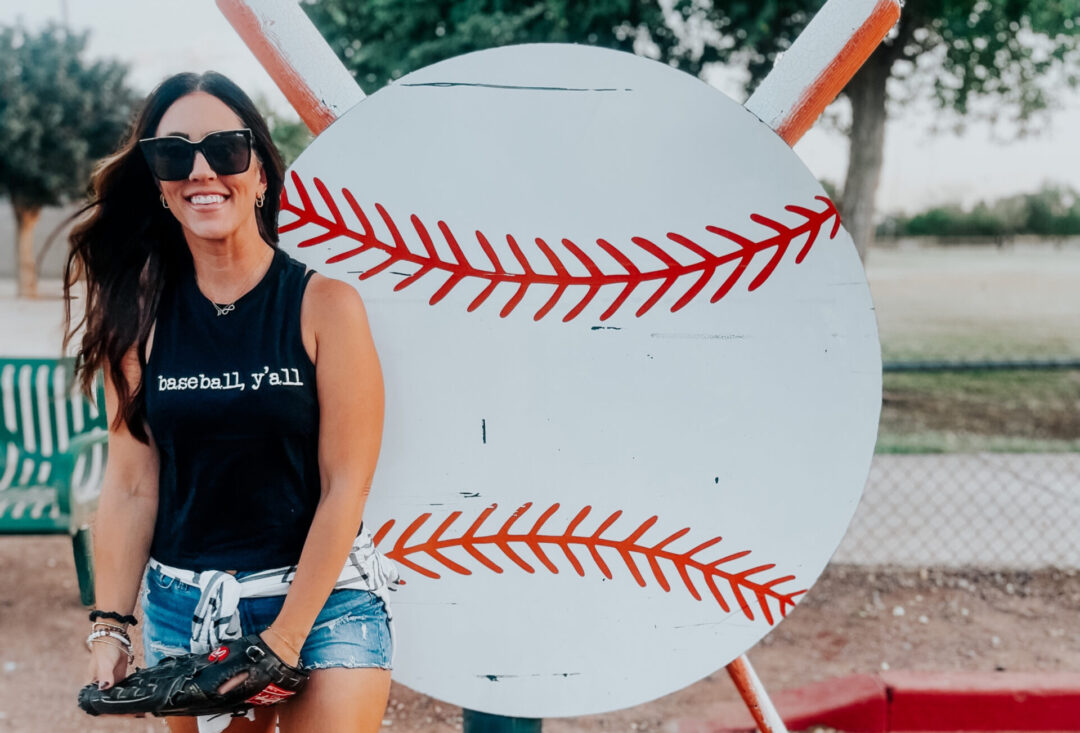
<point>53,446</point>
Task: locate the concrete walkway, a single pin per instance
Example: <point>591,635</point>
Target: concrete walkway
<point>32,327</point>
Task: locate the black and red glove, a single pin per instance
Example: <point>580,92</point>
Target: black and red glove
<point>188,684</point>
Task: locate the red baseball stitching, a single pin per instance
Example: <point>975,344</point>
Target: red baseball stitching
<point>630,277</point>
<point>740,584</point>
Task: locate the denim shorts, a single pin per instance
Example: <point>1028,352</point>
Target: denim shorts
<point>350,631</point>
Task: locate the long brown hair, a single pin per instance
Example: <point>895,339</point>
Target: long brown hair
<point>129,247</point>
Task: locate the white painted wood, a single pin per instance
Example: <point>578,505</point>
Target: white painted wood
<point>768,711</point>
<point>291,32</point>
<point>750,419</point>
<point>808,58</point>
<point>311,61</point>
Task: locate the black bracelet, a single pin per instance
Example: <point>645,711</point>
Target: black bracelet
<point>129,619</point>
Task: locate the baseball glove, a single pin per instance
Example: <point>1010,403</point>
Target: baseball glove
<point>188,684</point>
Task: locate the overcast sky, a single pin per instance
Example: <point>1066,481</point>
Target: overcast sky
<point>161,37</point>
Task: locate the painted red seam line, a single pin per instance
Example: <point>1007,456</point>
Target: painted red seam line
<point>459,268</point>
<point>739,583</point>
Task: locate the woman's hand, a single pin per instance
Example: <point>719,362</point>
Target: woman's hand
<point>108,664</point>
<point>277,646</point>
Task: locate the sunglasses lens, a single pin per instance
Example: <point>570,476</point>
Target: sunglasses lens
<point>173,158</point>
<point>169,159</point>
<point>228,153</point>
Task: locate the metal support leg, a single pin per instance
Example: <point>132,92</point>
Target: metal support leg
<point>84,564</point>
<point>754,695</point>
<point>476,722</point>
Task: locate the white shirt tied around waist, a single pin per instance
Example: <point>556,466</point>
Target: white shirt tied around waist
<point>217,617</point>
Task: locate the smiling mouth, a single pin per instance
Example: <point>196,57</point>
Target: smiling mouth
<point>205,199</point>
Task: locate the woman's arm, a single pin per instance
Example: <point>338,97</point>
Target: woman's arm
<point>123,524</point>
<point>350,393</point>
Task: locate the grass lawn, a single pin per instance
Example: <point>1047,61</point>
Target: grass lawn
<point>974,303</point>
<point>1014,411</point>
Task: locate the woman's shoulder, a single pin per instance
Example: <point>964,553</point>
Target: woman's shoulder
<point>329,291</point>
<point>331,302</point>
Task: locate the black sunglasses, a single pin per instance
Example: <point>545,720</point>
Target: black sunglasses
<point>172,158</point>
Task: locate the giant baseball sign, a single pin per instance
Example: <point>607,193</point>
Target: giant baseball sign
<point>633,374</point>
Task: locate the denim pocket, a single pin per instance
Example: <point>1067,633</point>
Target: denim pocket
<point>160,580</point>
<point>165,582</point>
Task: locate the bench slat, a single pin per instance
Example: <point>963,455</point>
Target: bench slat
<point>26,426</point>
<point>7,391</point>
<point>60,405</point>
<point>44,414</point>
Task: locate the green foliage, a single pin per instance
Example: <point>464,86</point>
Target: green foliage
<point>1005,49</point>
<point>1054,211</point>
<point>381,40</point>
<point>954,50</point>
<point>290,135</point>
<point>59,113</point>
<point>832,190</point>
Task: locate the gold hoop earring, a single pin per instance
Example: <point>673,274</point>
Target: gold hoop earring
<point>260,199</point>
<point>164,203</point>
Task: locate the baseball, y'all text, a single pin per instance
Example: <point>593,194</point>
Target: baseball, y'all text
<point>281,377</point>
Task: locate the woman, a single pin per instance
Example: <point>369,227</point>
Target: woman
<point>245,407</point>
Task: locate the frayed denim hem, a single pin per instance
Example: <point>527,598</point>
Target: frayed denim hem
<point>344,665</point>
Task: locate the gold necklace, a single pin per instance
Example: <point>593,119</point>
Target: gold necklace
<point>229,307</point>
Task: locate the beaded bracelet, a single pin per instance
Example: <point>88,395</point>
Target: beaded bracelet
<point>122,638</point>
<point>109,629</point>
<point>101,625</point>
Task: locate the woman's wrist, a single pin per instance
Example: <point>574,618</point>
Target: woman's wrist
<point>123,618</point>
<point>110,635</point>
<point>292,642</point>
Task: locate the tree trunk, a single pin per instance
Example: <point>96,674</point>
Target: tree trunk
<point>866,90</point>
<point>26,218</point>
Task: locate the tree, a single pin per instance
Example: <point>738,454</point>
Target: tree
<point>1012,51</point>
<point>381,40</point>
<point>1052,211</point>
<point>58,114</point>
<point>290,135</point>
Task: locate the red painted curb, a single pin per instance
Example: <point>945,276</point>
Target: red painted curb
<point>857,703</point>
<point>916,701</point>
<point>1015,701</point>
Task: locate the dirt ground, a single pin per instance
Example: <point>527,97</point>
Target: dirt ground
<point>853,620</point>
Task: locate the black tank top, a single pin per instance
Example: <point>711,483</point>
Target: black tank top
<point>232,407</point>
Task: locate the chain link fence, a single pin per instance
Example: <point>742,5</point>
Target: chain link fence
<point>1001,510</point>
<point>978,456</point>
